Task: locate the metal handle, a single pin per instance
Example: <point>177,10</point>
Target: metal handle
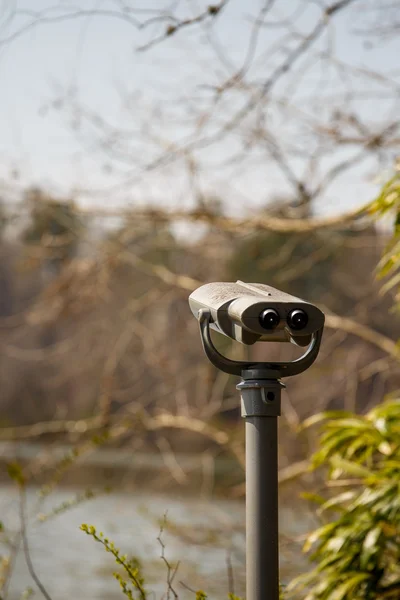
<point>247,370</point>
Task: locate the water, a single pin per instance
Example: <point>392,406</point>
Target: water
<point>71,565</point>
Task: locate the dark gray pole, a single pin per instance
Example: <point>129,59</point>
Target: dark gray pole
<point>261,408</point>
<point>261,403</point>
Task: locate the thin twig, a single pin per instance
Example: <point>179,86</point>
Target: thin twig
<point>175,25</point>
<point>171,571</point>
<point>229,567</point>
<point>28,560</point>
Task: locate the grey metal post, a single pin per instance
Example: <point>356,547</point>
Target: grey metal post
<point>261,402</point>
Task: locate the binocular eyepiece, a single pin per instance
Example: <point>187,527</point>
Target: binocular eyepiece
<point>297,319</point>
<point>269,319</point>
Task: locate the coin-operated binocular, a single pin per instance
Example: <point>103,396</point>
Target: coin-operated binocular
<point>252,312</point>
<point>248,313</point>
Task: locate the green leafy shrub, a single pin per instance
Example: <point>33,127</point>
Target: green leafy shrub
<point>357,551</point>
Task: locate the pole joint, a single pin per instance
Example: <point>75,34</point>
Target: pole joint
<point>260,397</point>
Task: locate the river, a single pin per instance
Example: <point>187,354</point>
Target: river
<point>72,566</point>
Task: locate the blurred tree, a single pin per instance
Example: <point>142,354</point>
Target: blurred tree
<point>3,218</point>
<point>54,229</point>
<point>6,283</point>
<point>315,265</point>
<point>51,239</point>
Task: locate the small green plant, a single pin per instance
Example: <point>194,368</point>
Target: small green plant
<point>134,580</point>
<point>131,567</point>
<point>357,551</point>
<point>71,503</point>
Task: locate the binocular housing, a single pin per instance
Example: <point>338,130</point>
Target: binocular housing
<point>252,312</point>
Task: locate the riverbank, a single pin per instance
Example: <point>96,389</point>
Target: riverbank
<point>123,468</point>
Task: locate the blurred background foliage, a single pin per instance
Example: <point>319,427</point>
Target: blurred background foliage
<point>77,302</point>
<point>234,175</point>
<point>99,350</point>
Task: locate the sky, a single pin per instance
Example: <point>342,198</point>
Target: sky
<point>152,97</point>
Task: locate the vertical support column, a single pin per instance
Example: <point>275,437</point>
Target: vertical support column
<point>261,401</point>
